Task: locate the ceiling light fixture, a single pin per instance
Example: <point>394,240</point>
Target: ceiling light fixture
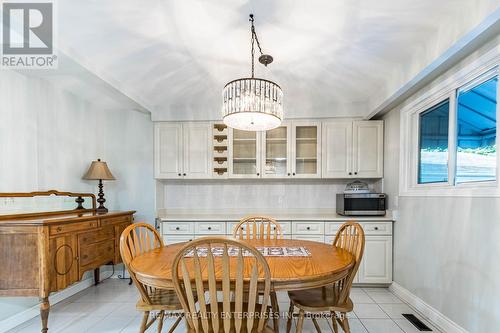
<point>253,104</point>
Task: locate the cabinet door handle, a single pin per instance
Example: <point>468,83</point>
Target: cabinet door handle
<point>180,174</point>
<point>350,173</point>
<point>258,174</point>
<point>59,229</point>
<point>183,174</point>
<point>293,174</point>
<point>289,173</point>
<point>356,173</point>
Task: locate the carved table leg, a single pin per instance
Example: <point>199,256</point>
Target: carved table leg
<point>44,313</point>
<point>96,276</point>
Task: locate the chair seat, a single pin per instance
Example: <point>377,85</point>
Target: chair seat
<point>161,299</point>
<point>258,308</point>
<point>319,299</point>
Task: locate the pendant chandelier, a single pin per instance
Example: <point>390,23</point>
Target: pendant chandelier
<point>253,104</point>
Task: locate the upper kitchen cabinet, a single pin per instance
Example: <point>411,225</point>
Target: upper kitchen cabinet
<point>244,154</point>
<point>276,153</point>
<point>368,149</point>
<point>183,150</point>
<point>306,149</point>
<point>353,149</point>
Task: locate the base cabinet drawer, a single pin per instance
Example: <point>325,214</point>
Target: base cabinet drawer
<point>313,227</point>
<point>376,265</point>
<point>210,228</point>
<point>173,239</point>
<point>178,228</point>
<point>285,227</point>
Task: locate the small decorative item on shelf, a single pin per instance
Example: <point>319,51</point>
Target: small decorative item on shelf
<point>99,170</point>
<point>220,150</point>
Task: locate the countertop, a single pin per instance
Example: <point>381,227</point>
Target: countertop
<point>284,215</point>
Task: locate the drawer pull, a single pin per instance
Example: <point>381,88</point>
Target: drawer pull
<point>308,228</point>
<point>209,228</point>
<point>376,228</point>
<point>59,229</point>
<point>84,256</point>
<point>177,228</point>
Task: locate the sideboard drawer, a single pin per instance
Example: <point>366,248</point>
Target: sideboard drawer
<point>96,236</point>
<point>72,227</point>
<point>207,228</point>
<point>179,228</point>
<point>377,228</point>
<point>313,227</point>
<point>116,220</point>
<point>102,252</point>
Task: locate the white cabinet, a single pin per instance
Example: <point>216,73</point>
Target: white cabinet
<point>368,149</point>
<point>168,150</point>
<point>337,149</point>
<point>353,149</point>
<point>376,265</point>
<point>276,152</point>
<point>306,149</point>
<point>244,155</point>
<point>183,150</point>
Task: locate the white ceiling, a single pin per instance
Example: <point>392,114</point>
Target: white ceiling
<point>332,57</point>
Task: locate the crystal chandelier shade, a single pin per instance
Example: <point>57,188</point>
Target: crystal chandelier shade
<point>253,104</point>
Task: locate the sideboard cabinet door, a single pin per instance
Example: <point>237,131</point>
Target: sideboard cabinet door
<point>63,261</point>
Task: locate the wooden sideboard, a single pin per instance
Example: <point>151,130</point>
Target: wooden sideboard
<point>46,252</point>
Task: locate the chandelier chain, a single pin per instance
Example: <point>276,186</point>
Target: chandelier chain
<point>254,39</point>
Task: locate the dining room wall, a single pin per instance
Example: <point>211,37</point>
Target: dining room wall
<point>446,248</point>
<point>49,136</point>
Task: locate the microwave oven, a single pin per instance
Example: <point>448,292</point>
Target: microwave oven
<point>361,204</point>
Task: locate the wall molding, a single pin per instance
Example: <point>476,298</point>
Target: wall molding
<point>438,319</point>
<point>24,316</point>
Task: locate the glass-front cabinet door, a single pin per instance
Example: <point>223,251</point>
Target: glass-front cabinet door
<point>306,139</point>
<point>244,154</point>
<point>276,153</point>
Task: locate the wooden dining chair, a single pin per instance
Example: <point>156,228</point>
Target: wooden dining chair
<point>261,227</point>
<point>333,298</point>
<point>136,239</point>
<point>258,227</point>
<point>211,268</point>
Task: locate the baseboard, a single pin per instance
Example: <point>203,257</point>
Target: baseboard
<point>438,319</point>
<point>18,319</point>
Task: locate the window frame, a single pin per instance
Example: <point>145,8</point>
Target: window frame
<point>462,80</point>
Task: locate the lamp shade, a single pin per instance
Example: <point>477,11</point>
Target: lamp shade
<point>99,170</point>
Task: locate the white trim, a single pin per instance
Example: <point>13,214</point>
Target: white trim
<point>20,318</point>
<point>438,319</point>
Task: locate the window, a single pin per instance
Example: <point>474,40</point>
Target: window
<point>452,141</point>
<point>476,133</point>
<point>433,144</point>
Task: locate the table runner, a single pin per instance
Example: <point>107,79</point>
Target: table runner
<point>267,251</point>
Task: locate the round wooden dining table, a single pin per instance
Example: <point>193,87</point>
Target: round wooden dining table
<point>325,264</point>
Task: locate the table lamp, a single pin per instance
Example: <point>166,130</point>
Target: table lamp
<point>99,170</point>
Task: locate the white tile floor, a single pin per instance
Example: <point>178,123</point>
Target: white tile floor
<point>110,308</point>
